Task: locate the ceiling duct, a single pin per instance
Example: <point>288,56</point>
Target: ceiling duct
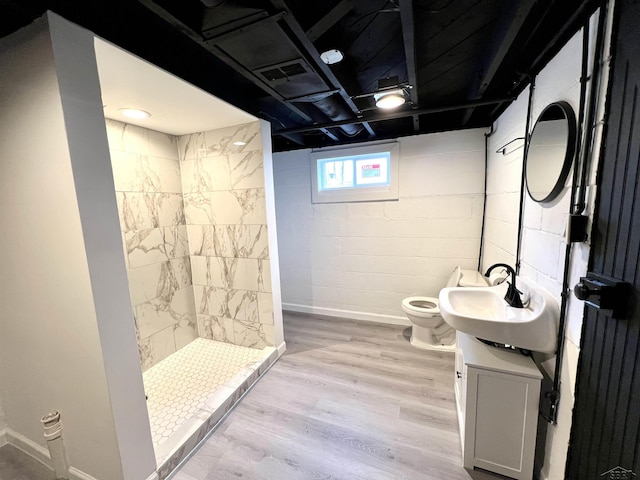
<point>333,108</point>
<point>275,60</point>
<point>269,48</point>
<point>213,3</point>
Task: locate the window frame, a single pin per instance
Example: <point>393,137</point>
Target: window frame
<point>357,193</point>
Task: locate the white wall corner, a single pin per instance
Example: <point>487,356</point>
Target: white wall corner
<point>77,72</point>
<point>270,199</point>
<point>3,419</point>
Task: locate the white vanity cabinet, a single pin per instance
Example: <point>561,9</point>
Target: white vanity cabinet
<point>497,394</point>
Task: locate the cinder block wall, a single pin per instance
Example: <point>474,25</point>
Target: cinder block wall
<point>360,260</point>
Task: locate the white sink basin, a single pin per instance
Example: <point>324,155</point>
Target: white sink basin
<point>483,313</point>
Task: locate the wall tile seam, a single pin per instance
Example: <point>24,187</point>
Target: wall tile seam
<point>148,155</point>
<point>259,259</point>
<point>539,272</point>
<point>435,151</point>
<point>502,222</point>
<point>498,247</point>
<point>389,256</point>
<point>226,225</point>
<point>555,233</point>
<point>505,191</point>
<point>440,156</point>
<point>546,234</point>
<point>151,192</point>
<point>456,236</point>
<point>159,262</point>
<point>163,299</point>
<point>230,289</point>
<point>470,195</point>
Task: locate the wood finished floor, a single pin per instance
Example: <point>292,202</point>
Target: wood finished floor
<point>17,465</point>
<point>347,401</point>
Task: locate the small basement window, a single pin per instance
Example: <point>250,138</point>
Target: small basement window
<point>356,174</point>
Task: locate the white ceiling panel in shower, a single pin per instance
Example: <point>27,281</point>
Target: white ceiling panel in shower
<point>176,107</point>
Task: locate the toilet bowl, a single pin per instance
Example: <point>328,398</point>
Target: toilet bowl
<point>428,329</point>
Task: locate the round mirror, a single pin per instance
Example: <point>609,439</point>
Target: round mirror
<point>551,149</point>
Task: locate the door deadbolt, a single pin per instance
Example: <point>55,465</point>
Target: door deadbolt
<point>604,293</point>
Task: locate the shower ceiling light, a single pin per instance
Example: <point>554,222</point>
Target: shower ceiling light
<point>389,99</point>
<point>134,113</point>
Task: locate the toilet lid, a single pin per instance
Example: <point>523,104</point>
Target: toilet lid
<point>422,304</point>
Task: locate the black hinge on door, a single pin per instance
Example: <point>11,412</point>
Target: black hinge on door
<point>604,293</point>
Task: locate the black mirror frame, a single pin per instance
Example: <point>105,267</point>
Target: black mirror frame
<point>569,153</point>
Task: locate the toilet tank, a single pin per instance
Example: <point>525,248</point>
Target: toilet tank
<point>466,278</point>
<point>472,278</point>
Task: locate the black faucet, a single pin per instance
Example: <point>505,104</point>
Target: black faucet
<point>512,296</point>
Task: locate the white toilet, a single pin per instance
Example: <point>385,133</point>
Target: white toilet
<point>429,331</point>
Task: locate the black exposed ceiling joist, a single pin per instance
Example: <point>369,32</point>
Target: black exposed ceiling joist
<point>306,43</point>
<point>242,28</point>
<point>329,20</point>
<point>210,46</point>
<point>569,27</point>
<point>233,25</point>
<point>408,37</point>
<point>513,20</point>
<point>392,116</point>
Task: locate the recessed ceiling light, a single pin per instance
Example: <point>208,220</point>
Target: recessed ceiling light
<point>239,144</point>
<point>331,56</point>
<point>391,99</point>
<point>134,113</point>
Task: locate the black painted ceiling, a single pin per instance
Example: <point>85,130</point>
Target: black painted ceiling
<point>458,62</point>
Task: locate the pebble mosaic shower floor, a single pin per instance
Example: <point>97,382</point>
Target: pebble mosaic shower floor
<point>179,386</point>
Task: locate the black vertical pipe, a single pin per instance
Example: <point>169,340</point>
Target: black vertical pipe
<point>579,204</point>
<point>484,204</point>
<point>578,188</point>
<point>527,137</point>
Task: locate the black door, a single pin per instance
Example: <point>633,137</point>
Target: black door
<point>606,420</point>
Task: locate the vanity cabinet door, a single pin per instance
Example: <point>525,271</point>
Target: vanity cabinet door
<point>460,392</point>
<point>500,422</point>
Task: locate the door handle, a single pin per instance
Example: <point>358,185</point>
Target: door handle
<point>604,293</point>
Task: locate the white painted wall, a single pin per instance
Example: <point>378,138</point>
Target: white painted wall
<point>359,260</point>
<point>67,340</point>
<point>274,255</point>
<point>3,420</point>
<point>51,354</point>
<point>543,243</point>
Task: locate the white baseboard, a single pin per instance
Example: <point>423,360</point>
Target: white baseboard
<point>350,314</point>
<point>154,476</point>
<point>281,348</point>
<point>39,453</point>
<point>3,436</point>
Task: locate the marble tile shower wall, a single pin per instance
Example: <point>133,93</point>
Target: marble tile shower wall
<point>225,211</point>
<point>150,204</point>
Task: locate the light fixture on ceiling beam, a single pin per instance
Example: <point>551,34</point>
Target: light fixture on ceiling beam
<point>390,99</point>
<point>390,93</point>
